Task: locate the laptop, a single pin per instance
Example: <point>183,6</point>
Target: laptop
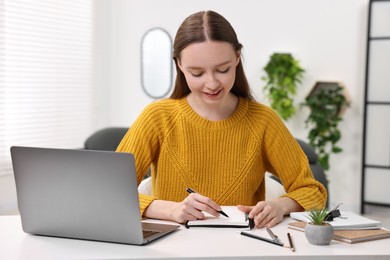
<point>82,194</point>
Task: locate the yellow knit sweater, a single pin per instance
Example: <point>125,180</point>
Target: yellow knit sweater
<point>225,160</point>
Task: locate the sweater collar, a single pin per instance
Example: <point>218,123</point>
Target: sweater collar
<point>192,117</point>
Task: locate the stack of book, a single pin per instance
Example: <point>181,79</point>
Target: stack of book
<point>349,227</point>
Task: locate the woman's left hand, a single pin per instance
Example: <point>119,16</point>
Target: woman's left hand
<point>270,213</point>
<point>265,213</point>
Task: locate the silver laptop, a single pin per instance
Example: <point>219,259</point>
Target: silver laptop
<point>81,194</point>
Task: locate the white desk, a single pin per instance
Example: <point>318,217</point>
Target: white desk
<point>194,243</point>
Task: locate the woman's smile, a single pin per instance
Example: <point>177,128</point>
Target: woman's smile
<point>214,94</point>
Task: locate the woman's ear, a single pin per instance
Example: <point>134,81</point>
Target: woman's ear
<point>238,56</point>
<point>179,64</point>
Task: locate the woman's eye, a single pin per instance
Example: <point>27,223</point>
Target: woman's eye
<point>196,75</point>
<point>223,71</point>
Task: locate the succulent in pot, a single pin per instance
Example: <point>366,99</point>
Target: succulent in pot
<point>318,231</point>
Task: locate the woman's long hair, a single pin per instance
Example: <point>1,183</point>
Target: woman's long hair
<point>200,27</point>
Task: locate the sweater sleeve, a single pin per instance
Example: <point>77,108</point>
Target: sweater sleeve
<point>287,160</point>
<point>142,140</point>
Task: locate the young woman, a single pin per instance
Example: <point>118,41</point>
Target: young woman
<point>211,135</point>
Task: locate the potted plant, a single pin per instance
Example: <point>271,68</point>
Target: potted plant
<point>318,231</point>
<point>327,102</point>
<point>283,74</point>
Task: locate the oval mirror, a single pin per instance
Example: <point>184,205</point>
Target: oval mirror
<point>156,63</point>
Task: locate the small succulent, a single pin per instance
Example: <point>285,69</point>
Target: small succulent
<point>318,216</point>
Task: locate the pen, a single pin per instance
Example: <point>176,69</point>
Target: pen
<point>189,190</point>
<point>291,242</point>
<point>262,238</point>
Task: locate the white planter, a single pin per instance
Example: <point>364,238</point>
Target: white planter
<point>319,235</point>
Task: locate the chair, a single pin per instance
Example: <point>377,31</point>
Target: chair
<point>106,139</point>
<point>109,138</point>
<point>316,169</point>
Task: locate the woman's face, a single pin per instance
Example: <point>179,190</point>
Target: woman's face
<point>210,70</point>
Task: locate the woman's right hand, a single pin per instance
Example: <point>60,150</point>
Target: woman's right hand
<point>191,208</point>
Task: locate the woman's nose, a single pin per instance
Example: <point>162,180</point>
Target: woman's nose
<point>212,82</point>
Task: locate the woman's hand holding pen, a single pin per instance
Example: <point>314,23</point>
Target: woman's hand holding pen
<point>192,206</point>
<point>189,209</point>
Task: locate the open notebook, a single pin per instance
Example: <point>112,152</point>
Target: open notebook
<point>236,219</point>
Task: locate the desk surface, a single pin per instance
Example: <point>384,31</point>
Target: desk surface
<point>207,243</point>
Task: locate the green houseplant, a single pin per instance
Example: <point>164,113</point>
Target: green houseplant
<point>318,231</point>
<point>283,74</point>
<point>326,105</point>
<point>318,216</point>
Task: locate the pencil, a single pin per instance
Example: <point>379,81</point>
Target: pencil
<point>291,242</point>
<point>189,190</point>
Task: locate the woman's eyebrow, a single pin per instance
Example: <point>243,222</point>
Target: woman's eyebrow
<point>218,65</point>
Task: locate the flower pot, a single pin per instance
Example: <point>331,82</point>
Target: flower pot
<point>319,235</point>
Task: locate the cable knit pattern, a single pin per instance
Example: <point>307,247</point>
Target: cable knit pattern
<point>225,160</point>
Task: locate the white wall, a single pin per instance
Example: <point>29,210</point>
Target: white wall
<point>327,36</point>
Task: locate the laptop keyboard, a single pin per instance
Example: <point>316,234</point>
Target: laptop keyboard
<point>148,232</point>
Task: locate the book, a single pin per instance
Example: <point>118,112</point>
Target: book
<point>236,219</point>
<point>349,236</point>
<point>348,220</point>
